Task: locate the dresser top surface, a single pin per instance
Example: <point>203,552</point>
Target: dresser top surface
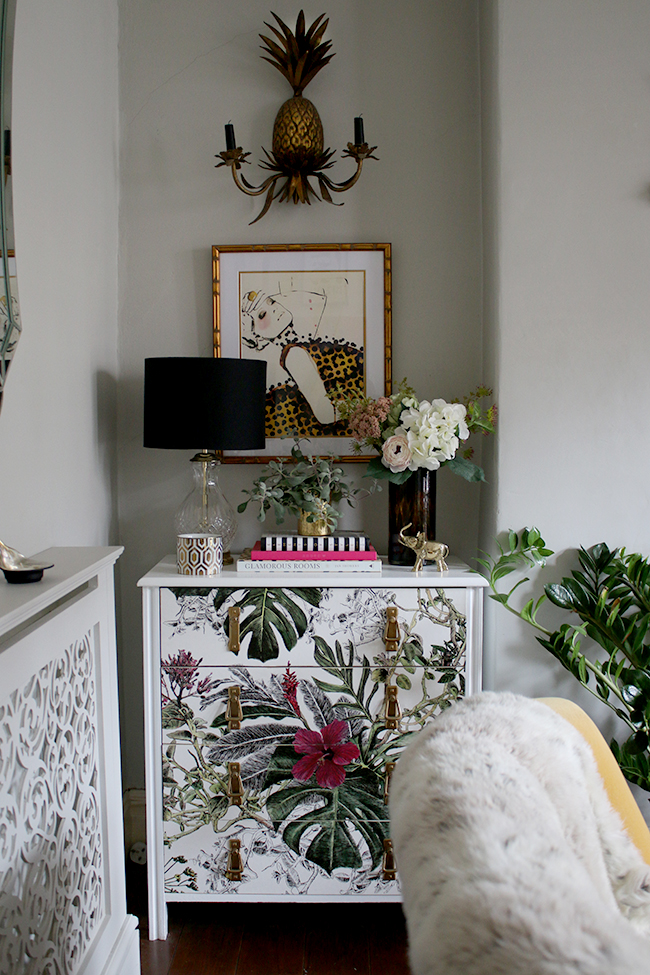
<point>165,574</point>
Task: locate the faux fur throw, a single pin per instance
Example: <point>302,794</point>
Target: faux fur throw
<point>511,857</point>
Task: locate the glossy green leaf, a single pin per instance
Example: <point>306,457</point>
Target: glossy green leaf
<point>377,469</point>
<point>357,803</point>
<point>464,468</point>
<point>559,595</point>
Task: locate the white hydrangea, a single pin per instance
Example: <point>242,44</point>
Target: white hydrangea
<point>433,432</point>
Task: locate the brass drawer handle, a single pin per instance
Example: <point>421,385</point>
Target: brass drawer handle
<point>234,866</point>
<point>235,784</point>
<point>391,630</point>
<point>233,629</point>
<point>388,865</point>
<point>392,711</point>
<point>234,713</point>
<point>388,771</point>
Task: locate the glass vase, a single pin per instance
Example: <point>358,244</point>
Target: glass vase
<point>411,503</point>
<point>205,511</point>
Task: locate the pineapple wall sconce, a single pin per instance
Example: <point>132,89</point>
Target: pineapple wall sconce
<point>298,152</point>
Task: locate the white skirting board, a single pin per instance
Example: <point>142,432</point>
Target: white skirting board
<point>124,959</point>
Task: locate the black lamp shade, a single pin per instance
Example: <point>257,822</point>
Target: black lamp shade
<point>201,403</point>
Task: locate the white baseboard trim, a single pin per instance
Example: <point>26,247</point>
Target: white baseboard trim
<point>124,959</point>
<point>135,819</point>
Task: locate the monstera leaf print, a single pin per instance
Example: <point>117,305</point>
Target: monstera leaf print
<point>268,614</point>
<point>357,803</point>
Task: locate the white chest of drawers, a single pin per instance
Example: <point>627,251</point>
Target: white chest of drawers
<point>275,708</point>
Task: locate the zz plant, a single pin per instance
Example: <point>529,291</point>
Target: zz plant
<point>608,598</point>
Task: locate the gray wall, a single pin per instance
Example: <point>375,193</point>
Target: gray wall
<point>554,136</point>
<point>567,295</point>
<point>57,426</point>
<point>412,70</point>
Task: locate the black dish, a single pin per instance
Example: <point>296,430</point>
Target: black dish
<point>19,576</point>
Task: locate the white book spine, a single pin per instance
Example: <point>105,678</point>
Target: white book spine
<point>307,565</point>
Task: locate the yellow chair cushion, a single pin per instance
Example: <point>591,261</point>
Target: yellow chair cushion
<point>616,787</point>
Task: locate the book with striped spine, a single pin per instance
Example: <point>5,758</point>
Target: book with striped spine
<point>338,542</point>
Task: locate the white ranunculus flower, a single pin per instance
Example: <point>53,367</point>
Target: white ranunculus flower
<point>396,453</point>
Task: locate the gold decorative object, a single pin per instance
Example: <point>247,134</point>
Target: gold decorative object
<point>388,866</point>
<point>234,712</point>
<point>392,710</point>
<point>234,866</point>
<point>316,527</point>
<point>391,630</point>
<point>298,151</point>
<point>389,768</point>
<point>425,551</point>
<point>234,613</point>
<point>235,786</point>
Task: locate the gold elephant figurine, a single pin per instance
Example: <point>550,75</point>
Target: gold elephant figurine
<point>424,549</point>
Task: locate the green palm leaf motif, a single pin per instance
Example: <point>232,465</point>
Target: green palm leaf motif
<point>269,614</point>
<point>258,699</point>
<point>335,662</point>
<point>357,803</point>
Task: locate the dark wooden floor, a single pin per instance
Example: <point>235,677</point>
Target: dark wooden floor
<point>272,939</point>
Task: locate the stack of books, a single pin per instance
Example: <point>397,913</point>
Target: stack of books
<point>290,552</point>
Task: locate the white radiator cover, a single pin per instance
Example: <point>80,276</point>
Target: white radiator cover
<point>62,889</point>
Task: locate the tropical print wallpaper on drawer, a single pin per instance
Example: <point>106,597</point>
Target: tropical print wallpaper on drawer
<point>313,748</point>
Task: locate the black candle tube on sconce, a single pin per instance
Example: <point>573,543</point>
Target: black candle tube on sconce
<point>231,142</point>
<point>358,131</point>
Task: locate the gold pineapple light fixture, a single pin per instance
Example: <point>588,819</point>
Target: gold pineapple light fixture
<point>298,146</point>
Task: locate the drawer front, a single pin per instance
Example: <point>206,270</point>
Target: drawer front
<point>313,728</point>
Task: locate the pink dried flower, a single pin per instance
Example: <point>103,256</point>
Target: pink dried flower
<point>179,673</point>
<point>364,426</point>
<point>365,421</point>
<point>383,406</point>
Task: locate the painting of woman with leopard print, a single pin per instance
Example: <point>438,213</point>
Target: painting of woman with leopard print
<point>310,330</point>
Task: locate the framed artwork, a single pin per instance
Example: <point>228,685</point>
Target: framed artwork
<point>319,315</point>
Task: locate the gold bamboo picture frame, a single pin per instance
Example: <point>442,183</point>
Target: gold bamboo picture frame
<point>319,315</point>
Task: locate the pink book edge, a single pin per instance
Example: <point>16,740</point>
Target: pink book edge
<point>257,552</point>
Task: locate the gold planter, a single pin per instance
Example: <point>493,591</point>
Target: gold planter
<point>316,527</point>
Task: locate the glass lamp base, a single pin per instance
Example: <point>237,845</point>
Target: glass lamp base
<point>205,511</point>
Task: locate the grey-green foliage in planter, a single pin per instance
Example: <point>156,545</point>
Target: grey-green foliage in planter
<point>303,483</point>
<point>608,598</point>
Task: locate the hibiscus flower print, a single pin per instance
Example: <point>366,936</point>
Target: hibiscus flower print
<point>325,753</point>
